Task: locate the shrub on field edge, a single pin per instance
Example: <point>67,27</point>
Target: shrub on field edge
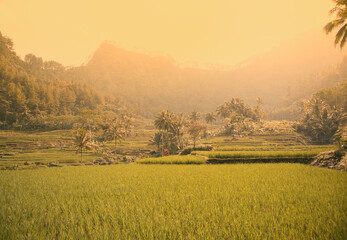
<point>189,150</point>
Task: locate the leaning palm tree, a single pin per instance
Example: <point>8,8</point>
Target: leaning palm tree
<point>82,140</point>
<point>341,15</point>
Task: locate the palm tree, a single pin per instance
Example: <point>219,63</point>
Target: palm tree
<point>178,123</point>
<point>194,116</point>
<point>163,122</point>
<point>223,110</point>
<point>320,121</point>
<point>156,140</point>
<point>210,118</point>
<point>341,15</point>
<point>115,132</point>
<point>82,140</point>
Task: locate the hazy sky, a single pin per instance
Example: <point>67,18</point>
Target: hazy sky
<point>212,31</point>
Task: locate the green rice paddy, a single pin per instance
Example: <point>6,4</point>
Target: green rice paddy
<point>132,201</point>
<point>174,160</point>
<point>259,154</point>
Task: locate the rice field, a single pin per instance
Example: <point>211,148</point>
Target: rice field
<point>321,148</point>
<point>174,160</point>
<point>34,149</point>
<point>259,154</point>
<point>132,201</point>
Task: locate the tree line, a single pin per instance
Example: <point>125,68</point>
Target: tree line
<point>93,131</point>
<point>322,118</point>
<point>175,130</point>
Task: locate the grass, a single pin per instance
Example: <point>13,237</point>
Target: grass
<point>321,148</point>
<point>280,140</point>
<point>259,154</point>
<point>262,201</point>
<point>49,155</point>
<point>10,136</point>
<point>174,160</point>
<point>19,147</point>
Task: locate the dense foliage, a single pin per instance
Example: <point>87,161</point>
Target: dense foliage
<point>324,114</point>
<point>239,117</point>
<point>34,94</point>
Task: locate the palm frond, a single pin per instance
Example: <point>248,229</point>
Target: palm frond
<point>343,40</point>
<point>333,24</point>
<point>335,9</point>
<point>340,33</point>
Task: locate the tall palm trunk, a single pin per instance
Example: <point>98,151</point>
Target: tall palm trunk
<point>81,155</point>
<point>179,139</point>
<point>5,119</point>
<point>115,147</point>
<point>162,143</point>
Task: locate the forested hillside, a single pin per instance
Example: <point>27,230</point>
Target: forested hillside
<point>36,93</point>
<point>40,93</point>
<point>280,77</point>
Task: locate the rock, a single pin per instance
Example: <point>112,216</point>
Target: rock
<point>56,164</point>
<point>103,162</point>
<point>342,165</point>
<point>110,161</point>
<point>331,159</point>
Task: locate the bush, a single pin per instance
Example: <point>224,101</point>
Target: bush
<point>189,150</point>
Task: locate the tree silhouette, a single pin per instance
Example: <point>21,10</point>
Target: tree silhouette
<point>195,129</point>
<point>82,140</point>
<point>178,123</point>
<point>341,15</point>
<point>194,116</point>
<point>114,131</point>
<point>210,118</point>
<point>321,121</point>
<point>163,122</point>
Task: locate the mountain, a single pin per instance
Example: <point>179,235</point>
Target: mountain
<point>281,76</point>
<point>116,79</point>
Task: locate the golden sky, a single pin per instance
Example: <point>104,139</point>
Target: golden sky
<point>210,31</point>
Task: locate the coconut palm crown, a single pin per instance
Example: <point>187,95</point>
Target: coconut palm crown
<point>341,15</point>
